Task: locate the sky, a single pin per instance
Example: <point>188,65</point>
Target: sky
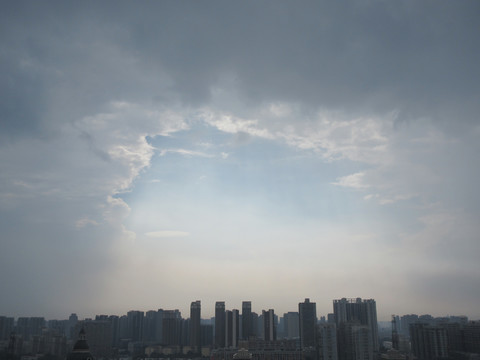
<point>157,153</point>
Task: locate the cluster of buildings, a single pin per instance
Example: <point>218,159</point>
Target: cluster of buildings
<point>426,337</point>
<point>350,332</point>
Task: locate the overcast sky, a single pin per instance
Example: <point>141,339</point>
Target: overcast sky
<point>156,153</point>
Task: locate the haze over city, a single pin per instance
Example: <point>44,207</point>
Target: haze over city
<point>155,153</point>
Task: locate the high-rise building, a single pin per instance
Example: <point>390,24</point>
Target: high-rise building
<point>123,327</point>
<point>428,342</point>
<point>220,324</point>
<point>115,321</point>
<point>30,326</point>
<point>72,321</point>
<point>291,324</point>
<point>150,326</point>
<point>232,328</point>
<point>135,325</point>
<point>185,332</point>
<point>195,327</point>
<point>247,328</point>
<point>207,334</point>
<point>354,342</point>
<point>357,328</point>
<point>307,312</point>
<point>256,328</point>
<point>471,337</point>
<point>327,341</point>
<point>171,327</point>
<point>159,326</point>
<point>6,327</point>
<point>269,325</point>
<point>405,322</point>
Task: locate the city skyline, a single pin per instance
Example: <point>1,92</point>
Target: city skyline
<point>156,153</point>
<point>352,332</point>
<point>208,312</point>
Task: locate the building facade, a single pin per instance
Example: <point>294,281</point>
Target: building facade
<point>220,324</point>
<point>307,312</point>
<point>247,328</point>
<point>357,328</point>
<point>195,325</point>
<point>269,325</point>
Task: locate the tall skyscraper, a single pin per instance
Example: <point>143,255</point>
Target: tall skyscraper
<point>232,328</point>
<point>72,321</point>
<point>172,327</point>
<point>150,326</point>
<point>220,324</point>
<point>269,325</point>
<point>256,326</point>
<point>307,312</point>
<point>135,325</point>
<point>159,326</point>
<point>195,327</point>
<point>291,325</point>
<point>357,328</point>
<point>247,328</point>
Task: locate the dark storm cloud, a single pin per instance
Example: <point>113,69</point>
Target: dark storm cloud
<point>61,61</point>
<point>420,59</point>
<point>384,55</point>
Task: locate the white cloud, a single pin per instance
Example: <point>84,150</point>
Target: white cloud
<point>230,123</point>
<point>334,136</point>
<point>354,181</point>
<point>185,152</point>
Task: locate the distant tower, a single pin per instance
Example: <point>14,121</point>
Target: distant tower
<point>256,325</point>
<point>291,325</point>
<point>149,325</point>
<point>231,328</point>
<point>171,327</point>
<point>135,325</point>
<point>307,312</point>
<point>247,328</point>
<point>195,326</point>
<point>394,333</point>
<point>220,324</point>
<point>269,325</point>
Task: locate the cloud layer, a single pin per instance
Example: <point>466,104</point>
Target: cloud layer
<point>141,140</point>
